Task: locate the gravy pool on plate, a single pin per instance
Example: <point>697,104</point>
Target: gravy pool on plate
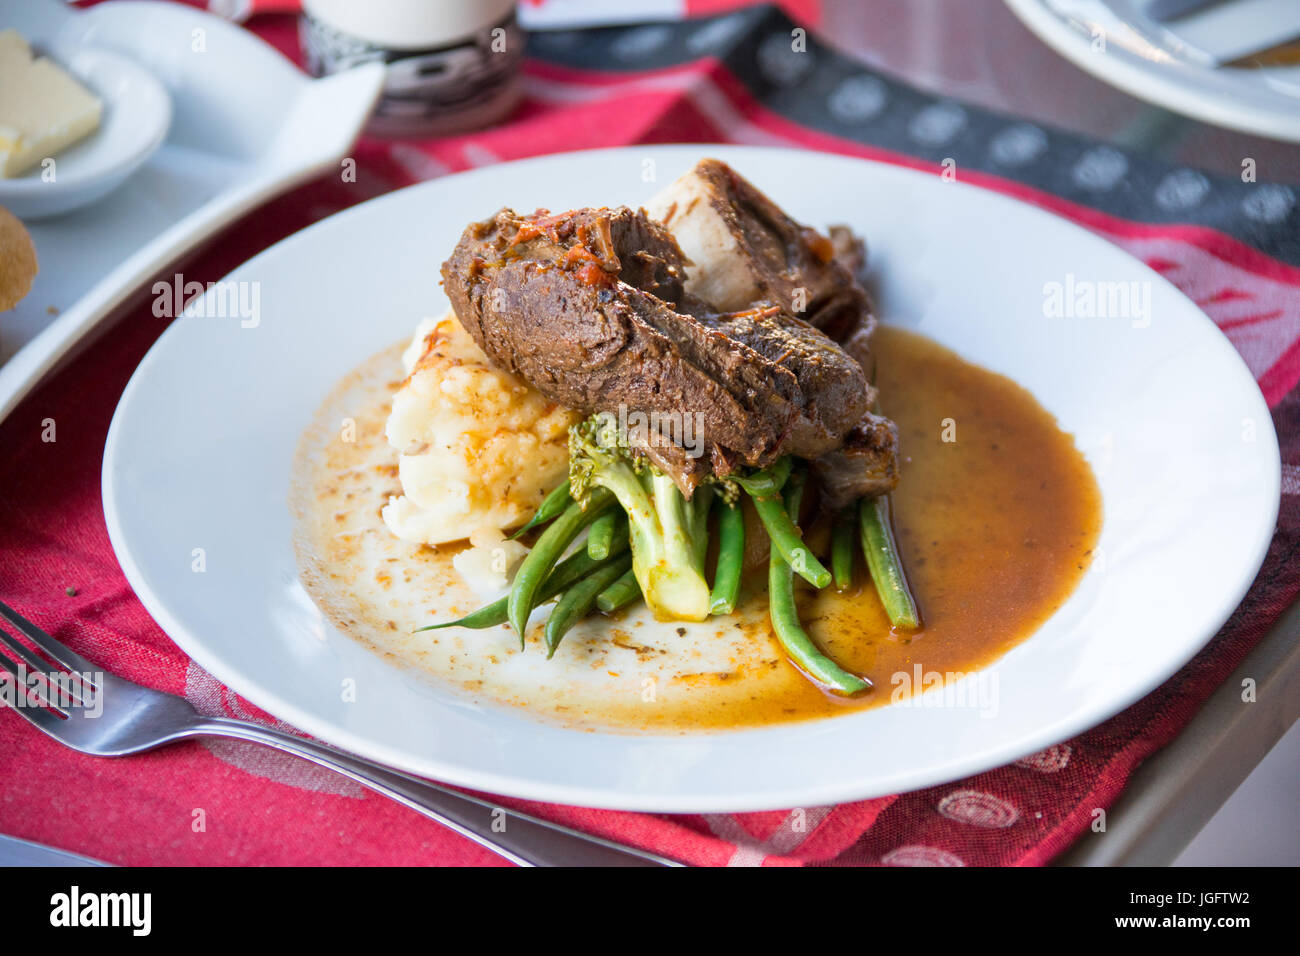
<point>996,529</point>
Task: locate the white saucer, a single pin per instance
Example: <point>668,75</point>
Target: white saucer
<point>137,115</point>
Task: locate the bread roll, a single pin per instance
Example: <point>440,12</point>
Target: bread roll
<point>17,261</point>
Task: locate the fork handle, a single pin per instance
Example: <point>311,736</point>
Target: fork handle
<point>520,838</point>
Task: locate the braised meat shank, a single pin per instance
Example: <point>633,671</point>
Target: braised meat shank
<point>601,311</point>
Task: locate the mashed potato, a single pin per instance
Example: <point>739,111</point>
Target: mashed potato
<point>479,448</point>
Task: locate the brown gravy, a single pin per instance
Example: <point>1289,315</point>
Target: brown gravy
<point>996,529</point>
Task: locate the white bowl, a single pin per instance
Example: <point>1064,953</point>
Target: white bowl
<point>137,115</point>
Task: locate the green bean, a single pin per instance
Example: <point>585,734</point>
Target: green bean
<point>489,615</point>
<point>780,472</point>
<point>601,534</point>
<point>552,505</point>
<point>768,481</point>
<point>764,488</point>
<point>577,602</point>
<point>619,594</point>
<point>573,568</point>
<point>876,533</point>
<point>842,550</point>
<point>731,557</point>
<point>559,534</point>
<point>700,523</point>
<point>785,617</point>
<point>792,489</point>
<point>700,505</point>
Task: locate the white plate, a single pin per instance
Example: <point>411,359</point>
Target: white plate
<point>1263,101</point>
<point>246,125</point>
<point>200,450</point>
<point>136,114</point>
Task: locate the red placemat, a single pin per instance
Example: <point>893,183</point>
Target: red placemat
<point>1232,247</point>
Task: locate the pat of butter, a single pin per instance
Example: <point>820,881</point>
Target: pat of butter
<point>42,108</point>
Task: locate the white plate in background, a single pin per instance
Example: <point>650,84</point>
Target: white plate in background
<point>1263,101</point>
<point>201,447</point>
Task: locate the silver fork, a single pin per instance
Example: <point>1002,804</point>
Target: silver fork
<point>134,719</point>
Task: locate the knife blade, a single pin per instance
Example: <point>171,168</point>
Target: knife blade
<point>1222,32</point>
<point>1163,11</point>
<point>16,852</point>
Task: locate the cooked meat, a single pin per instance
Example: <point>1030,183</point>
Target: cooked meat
<point>646,253</point>
<point>745,249</point>
<point>688,470</point>
<point>834,392</point>
<point>618,242</point>
<point>849,249</point>
<point>543,298</point>
<point>866,466</point>
<point>602,310</point>
<point>853,331</point>
<point>857,345</point>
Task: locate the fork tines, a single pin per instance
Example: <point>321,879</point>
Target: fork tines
<point>65,679</point>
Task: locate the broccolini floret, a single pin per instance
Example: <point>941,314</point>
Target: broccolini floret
<point>666,557</point>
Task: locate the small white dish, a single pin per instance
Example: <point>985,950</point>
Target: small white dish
<point>137,114</point>
<point>1111,40</point>
<point>246,125</point>
<point>200,451</point>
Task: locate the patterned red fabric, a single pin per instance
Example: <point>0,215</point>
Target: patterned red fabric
<point>228,803</point>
